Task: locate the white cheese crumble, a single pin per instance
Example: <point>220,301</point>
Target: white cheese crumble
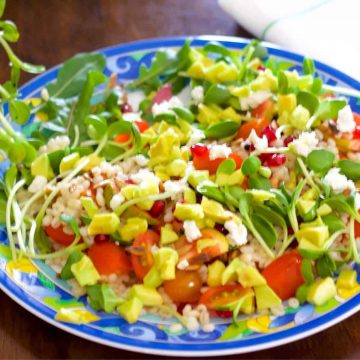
<point>259,143</point>
<point>54,144</point>
<point>131,116</point>
<point>357,201</point>
<point>197,94</point>
<point>219,151</point>
<point>254,99</point>
<point>345,121</point>
<point>38,184</point>
<point>134,98</point>
<point>166,106</point>
<point>237,235</point>
<point>192,232</point>
<point>141,160</point>
<point>306,143</point>
<point>195,137</point>
<point>116,201</point>
<point>183,264</point>
<point>144,175</point>
<point>338,182</point>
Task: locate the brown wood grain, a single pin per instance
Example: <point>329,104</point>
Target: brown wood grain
<point>52,31</point>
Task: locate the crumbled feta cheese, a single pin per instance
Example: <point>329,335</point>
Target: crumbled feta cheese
<point>144,175</point>
<point>259,143</point>
<point>195,137</point>
<point>183,264</point>
<point>306,143</point>
<point>345,121</point>
<point>237,233</point>
<point>254,99</point>
<point>191,230</point>
<point>219,151</point>
<point>166,106</point>
<point>175,186</point>
<point>141,160</point>
<point>134,99</point>
<point>338,182</point>
<point>357,201</point>
<point>54,144</point>
<point>197,93</point>
<point>131,116</point>
<point>116,201</point>
<point>38,184</point>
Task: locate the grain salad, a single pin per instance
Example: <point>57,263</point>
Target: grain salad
<point>228,188</point>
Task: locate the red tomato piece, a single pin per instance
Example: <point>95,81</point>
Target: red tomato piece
<point>257,124</point>
<point>109,258</point>
<point>264,110</point>
<point>284,275</point>
<point>59,236</point>
<point>143,260</point>
<point>140,124</point>
<point>357,229</point>
<point>216,297</point>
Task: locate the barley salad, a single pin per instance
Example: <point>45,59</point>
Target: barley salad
<point>216,184</point>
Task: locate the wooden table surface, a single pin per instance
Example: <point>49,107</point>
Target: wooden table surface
<point>52,31</point>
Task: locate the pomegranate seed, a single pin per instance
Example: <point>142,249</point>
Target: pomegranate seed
<point>356,133</point>
<point>289,140</point>
<point>157,209</point>
<point>100,238</point>
<point>164,94</point>
<point>264,157</point>
<point>290,230</point>
<point>130,182</point>
<point>261,68</point>
<point>199,150</point>
<point>275,160</point>
<point>224,313</point>
<point>269,132</point>
<point>221,229</point>
<point>126,108</point>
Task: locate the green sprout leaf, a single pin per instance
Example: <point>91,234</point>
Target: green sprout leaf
<point>320,161</point>
<point>221,130</point>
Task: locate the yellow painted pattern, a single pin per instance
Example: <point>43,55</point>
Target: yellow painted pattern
<point>23,265</point>
<point>76,316</point>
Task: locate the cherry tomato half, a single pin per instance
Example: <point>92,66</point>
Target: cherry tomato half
<point>143,260</point>
<point>59,236</point>
<point>216,297</point>
<point>185,288</point>
<point>284,275</point>
<point>109,258</point>
<point>357,229</point>
<point>140,124</point>
<point>265,110</point>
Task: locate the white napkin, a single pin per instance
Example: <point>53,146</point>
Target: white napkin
<point>326,30</point>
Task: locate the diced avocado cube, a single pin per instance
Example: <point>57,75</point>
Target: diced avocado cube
<point>165,260</point>
<point>286,102</point>
<point>230,273</point>
<point>215,271</point>
<point>248,276</point>
<point>177,167</point>
<point>196,70</point>
<point>85,272</point>
<point>228,74</point>
<point>301,293</point>
<point>42,167</point>
<point>300,117</point>
<point>133,227</point>
<point>161,173</point>
<point>310,251</point>
<point>261,195</point>
<point>347,279</point>
<point>153,279</point>
<point>316,235</point>
<point>106,223</point>
<point>315,223</point>
<point>103,297</point>
<point>69,162</point>
<point>148,296</point>
<point>197,177</point>
<point>321,291</point>
<point>241,91</point>
<point>189,211</point>
<point>129,191</point>
<point>248,306</point>
<point>265,297</point>
<point>168,235</point>
<point>89,205</point>
<point>324,210</point>
<point>189,196</point>
<point>310,194</point>
<point>73,258</point>
<point>265,81</point>
<point>131,309</point>
<point>304,206</point>
<point>150,187</point>
<point>214,210</point>
<point>236,178</point>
